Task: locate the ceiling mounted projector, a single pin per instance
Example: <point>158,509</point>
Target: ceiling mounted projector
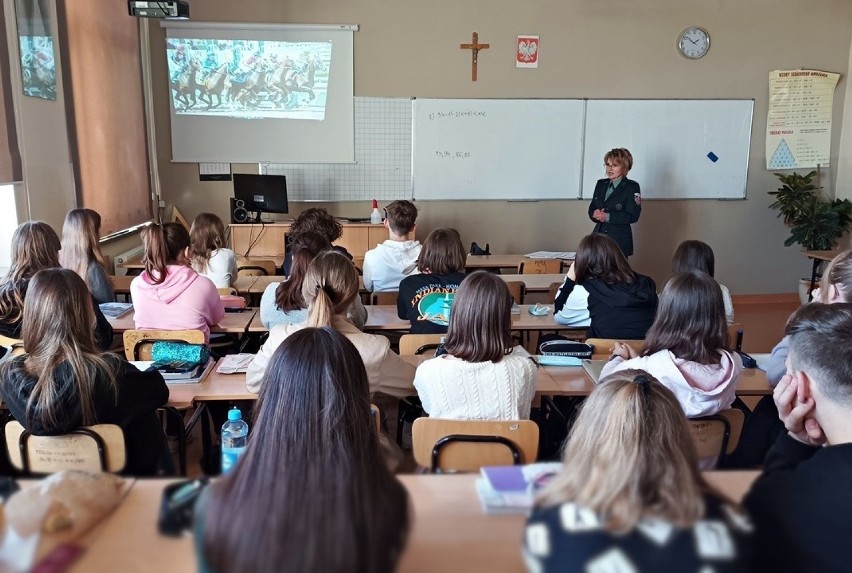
<point>177,9</point>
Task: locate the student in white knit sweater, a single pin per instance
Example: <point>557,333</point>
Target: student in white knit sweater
<point>483,376</point>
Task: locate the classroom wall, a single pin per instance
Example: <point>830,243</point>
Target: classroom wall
<point>613,49</point>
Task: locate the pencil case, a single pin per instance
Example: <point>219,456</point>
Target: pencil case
<point>165,351</point>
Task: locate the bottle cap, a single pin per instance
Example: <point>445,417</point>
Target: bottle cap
<point>234,414</point>
<point>375,204</point>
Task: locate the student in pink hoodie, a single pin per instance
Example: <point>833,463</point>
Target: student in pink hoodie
<point>686,346</point>
<point>169,295</point>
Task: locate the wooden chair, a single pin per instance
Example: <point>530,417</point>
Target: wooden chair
<point>467,445</point>
<point>518,290</point>
<point>98,448</point>
<point>553,289</point>
<point>137,346</point>
<point>602,346</point>
<point>377,418</point>
<point>138,343</point>
<point>540,267</point>
<point>256,268</point>
<point>733,330</point>
<point>384,297</point>
<point>13,345</point>
<point>411,344</point>
<point>717,435</point>
<point>228,291</point>
<point>177,217</point>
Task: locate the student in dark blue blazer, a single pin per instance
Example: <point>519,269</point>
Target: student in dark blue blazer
<point>617,201</point>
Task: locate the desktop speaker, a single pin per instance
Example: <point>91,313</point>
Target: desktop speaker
<point>239,213</point>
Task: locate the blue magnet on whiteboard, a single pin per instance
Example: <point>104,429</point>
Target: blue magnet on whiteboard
<point>712,157</point>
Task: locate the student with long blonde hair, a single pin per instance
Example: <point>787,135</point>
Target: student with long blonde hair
<point>283,303</point>
<point>686,347</point>
<point>81,252</point>
<point>484,375</point>
<point>311,492</point>
<point>64,381</point>
<point>329,287</point>
<point>630,496</point>
<point>35,246</point>
<point>207,252</point>
<point>169,295</point>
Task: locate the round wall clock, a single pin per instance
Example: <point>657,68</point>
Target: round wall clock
<point>694,42</point>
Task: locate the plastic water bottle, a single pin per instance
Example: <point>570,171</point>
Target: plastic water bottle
<point>234,438</point>
<point>375,216</point>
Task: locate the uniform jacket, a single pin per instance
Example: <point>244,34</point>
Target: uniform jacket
<point>623,207</point>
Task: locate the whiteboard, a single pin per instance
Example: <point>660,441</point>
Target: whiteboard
<point>497,149</point>
<point>682,149</point>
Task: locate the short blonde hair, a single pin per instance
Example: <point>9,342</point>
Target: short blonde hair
<point>620,156</point>
<point>630,456</point>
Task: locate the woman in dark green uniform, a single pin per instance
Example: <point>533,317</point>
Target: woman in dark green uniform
<point>617,202</point>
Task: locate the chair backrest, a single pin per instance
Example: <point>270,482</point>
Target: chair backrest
<point>603,345</point>
<point>540,267</point>
<point>717,435</point>
<point>411,344</point>
<point>733,329</point>
<point>553,289</point>
<point>14,345</point>
<point>518,290</point>
<point>377,418</point>
<point>228,291</point>
<point>98,448</point>
<point>467,445</point>
<point>384,297</point>
<point>138,343</point>
<point>177,217</point>
<point>256,268</point>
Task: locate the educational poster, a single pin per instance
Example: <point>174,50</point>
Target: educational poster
<point>798,124</point>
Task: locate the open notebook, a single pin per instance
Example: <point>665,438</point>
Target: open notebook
<point>594,367</point>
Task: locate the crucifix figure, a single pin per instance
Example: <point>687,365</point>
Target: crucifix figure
<point>474,48</point>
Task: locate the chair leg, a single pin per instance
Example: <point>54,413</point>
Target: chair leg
<point>177,417</point>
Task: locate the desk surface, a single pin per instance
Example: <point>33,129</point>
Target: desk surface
<point>551,381</point>
<point>574,381</point>
<point>233,323</point>
<point>449,530</point>
<point>384,317</point>
<point>821,255</point>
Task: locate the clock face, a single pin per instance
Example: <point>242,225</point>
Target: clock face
<point>694,42</point>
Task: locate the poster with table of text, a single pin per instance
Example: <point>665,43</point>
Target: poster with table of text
<point>798,123</point>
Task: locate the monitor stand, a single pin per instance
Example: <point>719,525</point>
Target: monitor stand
<point>258,220</point>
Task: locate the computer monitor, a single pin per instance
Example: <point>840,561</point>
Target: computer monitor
<point>261,193</point>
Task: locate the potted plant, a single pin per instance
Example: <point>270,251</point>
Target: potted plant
<point>816,222</point>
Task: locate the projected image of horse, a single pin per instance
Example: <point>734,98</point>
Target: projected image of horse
<point>186,85</point>
<point>214,85</point>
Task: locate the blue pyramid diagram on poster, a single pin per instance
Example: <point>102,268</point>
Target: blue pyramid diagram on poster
<point>782,158</point>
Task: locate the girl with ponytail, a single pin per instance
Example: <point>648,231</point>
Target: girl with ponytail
<point>169,294</point>
<point>329,287</point>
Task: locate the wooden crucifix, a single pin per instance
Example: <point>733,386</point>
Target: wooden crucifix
<point>474,48</point>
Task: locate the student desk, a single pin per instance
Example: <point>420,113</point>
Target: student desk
<point>384,317</point>
<point>449,531</point>
<point>574,381</point>
<point>121,283</point>
<point>233,323</point>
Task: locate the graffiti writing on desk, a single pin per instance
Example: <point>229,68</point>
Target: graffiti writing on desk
<point>451,114</point>
<point>452,154</point>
